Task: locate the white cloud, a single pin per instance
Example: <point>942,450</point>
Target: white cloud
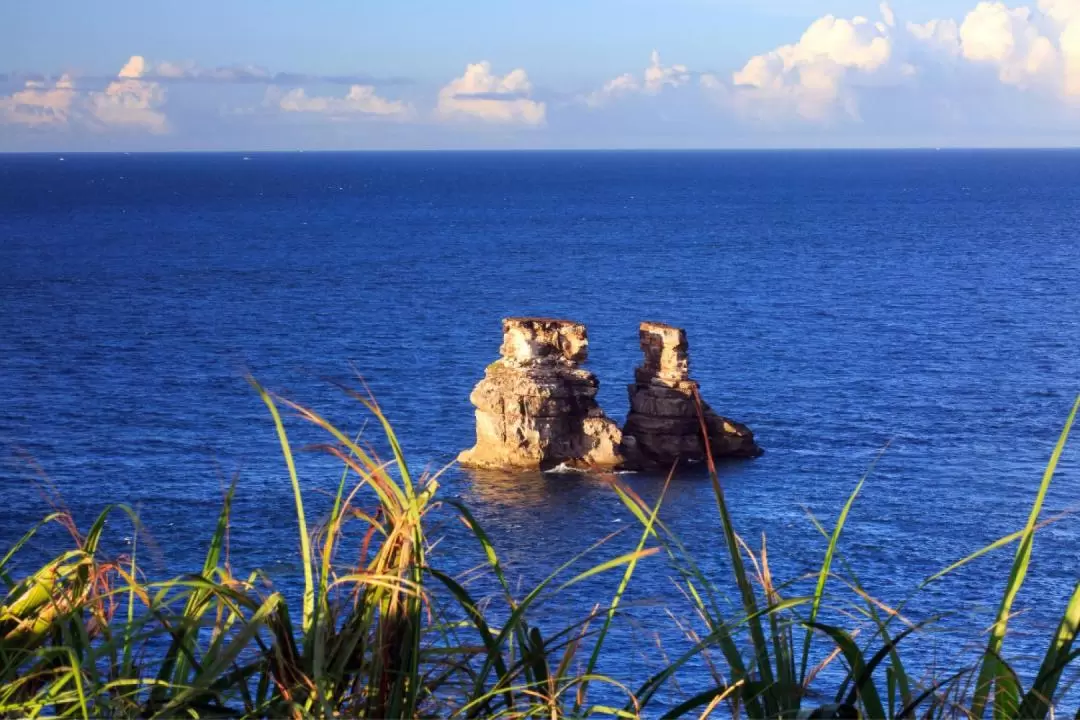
<point>809,76</point>
<point>625,84</point>
<point>39,106</point>
<point>657,76</point>
<point>654,79</point>
<point>134,68</point>
<point>822,77</point>
<point>1012,65</point>
<point>189,70</point>
<point>127,102</point>
<point>1069,42</point>
<point>481,95</point>
<point>1066,16</point>
<point>943,34</point>
<point>361,100</point>
<point>1010,39</point>
<point>883,72</point>
<point>887,14</point>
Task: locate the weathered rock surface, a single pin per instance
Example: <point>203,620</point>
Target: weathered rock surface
<point>536,407</point>
<point>663,428</point>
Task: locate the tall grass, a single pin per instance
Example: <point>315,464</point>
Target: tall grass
<point>759,646</point>
<point>389,633</point>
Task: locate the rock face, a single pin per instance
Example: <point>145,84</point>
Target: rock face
<point>663,426</point>
<point>536,407</point>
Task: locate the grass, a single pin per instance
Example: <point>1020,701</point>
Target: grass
<point>389,634</point>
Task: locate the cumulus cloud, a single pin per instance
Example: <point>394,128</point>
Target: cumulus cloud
<point>880,69</point>
<point>1010,39</point>
<point>1008,64</point>
<point>657,76</point>
<point>37,105</point>
<point>621,86</point>
<point>135,67</point>
<point>479,94</point>
<point>654,79</point>
<point>809,76</point>
<point>128,101</point>
<point>361,100</point>
<point>826,74</point>
<point>1029,46</point>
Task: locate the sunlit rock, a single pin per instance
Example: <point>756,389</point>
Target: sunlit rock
<point>536,407</point>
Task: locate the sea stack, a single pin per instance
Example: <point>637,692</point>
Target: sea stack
<point>536,406</point>
<point>663,428</point>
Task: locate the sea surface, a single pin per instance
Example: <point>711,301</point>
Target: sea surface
<point>919,306</point>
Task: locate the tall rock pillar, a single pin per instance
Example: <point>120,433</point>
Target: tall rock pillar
<point>536,406</point>
<point>663,427</point>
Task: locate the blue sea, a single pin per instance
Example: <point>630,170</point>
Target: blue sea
<point>919,306</point>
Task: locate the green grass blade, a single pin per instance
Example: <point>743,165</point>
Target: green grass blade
<point>888,649</point>
<point>477,617</point>
<point>76,673</point>
<point>485,543</point>
<point>626,559</point>
<point>720,631</point>
<point>322,599</point>
<point>826,567</point>
<point>25,539</point>
<point>703,698</point>
<point>514,622</point>
<point>395,446</point>
<point>225,658</point>
<point>305,540</point>
<point>866,690</point>
<point>196,604</point>
<point>670,542</point>
<point>623,584</point>
<point>1036,703</point>
<point>1007,693</point>
<point>93,535</point>
<point>991,668</point>
<point>999,543</point>
<point>126,668</point>
<point>742,578</point>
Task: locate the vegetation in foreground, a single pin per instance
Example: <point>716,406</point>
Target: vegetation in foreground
<point>393,636</point>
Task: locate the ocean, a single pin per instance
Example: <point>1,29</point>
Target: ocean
<point>917,307</point>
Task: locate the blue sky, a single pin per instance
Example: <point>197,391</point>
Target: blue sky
<point>242,74</point>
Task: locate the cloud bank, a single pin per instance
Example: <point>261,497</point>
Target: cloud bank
<point>1017,65</point>
<point>361,100</point>
<point>1000,68</point>
<point>127,102</point>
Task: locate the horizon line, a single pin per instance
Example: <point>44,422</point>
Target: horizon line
<point>451,150</point>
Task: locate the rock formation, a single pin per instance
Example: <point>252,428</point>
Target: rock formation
<point>536,407</point>
<point>663,426</point>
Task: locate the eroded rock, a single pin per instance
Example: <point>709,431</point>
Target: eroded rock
<point>536,407</point>
<point>663,427</point>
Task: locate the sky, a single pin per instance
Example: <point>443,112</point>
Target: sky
<point>117,75</point>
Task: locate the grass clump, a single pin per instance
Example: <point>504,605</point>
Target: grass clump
<point>391,635</point>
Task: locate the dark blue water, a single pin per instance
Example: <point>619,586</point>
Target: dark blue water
<point>834,301</point>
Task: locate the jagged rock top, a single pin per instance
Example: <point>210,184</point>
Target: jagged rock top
<point>536,406</point>
<point>666,353</point>
<point>664,426</point>
<point>537,340</point>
